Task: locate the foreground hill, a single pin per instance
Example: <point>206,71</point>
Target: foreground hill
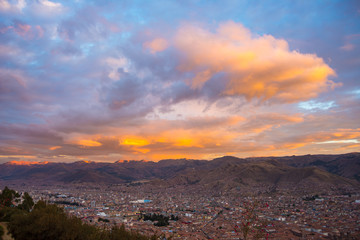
<point>221,173</point>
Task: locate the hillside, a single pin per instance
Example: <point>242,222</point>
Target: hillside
<point>221,173</point>
<point>92,172</point>
<point>266,174</point>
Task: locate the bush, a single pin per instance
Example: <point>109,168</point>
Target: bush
<point>48,221</point>
<point>1,232</point>
<point>7,212</point>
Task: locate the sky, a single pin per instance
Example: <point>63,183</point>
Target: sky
<point>151,80</point>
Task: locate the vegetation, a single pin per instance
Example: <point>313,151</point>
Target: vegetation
<point>251,226</point>
<point>159,219</point>
<point>7,196</point>
<point>27,203</point>
<point>44,221</point>
<point>103,220</point>
<point>174,218</point>
<point>68,203</point>
<point>1,232</point>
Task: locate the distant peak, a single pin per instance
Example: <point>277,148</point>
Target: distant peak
<point>131,161</point>
<point>122,161</point>
<point>85,161</point>
<point>26,163</point>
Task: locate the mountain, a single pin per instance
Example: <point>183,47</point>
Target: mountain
<point>268,174</point>
<point>92,172</point>
<point>221,173</point>
<point>345,165</point>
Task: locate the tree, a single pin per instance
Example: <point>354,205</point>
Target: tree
<point>27,203</point>
<point>7,197</point>
<point>251,226</point>
<point>48,221</point>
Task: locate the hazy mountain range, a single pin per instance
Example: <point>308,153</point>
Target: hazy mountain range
<point>224,172</point>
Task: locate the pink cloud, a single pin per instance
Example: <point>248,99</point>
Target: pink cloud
<point>5,29</point>
<point>23,30</point>
<point>40,31</point>
<point>26,31</point>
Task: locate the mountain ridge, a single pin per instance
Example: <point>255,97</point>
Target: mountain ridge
<point>231,172</point>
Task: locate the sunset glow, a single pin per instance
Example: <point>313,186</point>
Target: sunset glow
<point>26,163</point>
<point>152,80</point>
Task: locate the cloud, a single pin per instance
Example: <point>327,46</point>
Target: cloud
<point>104,81</point>
<point>265,122</point>
<point>27,31</point>
<point>89,143</point>
<point>325,139</point>
<point>15,6</point>
<point>30,134</point>
<point>116,65</point>
<point>350,41</point>
<point>23,30</point>
<point>314,106</point>
<point>50,4</point>
<point>13,86</point>
<point>347,47</point>
<point>86,26</point>
<point>54,147</point>
<point>149,139</point>
<point>45,8</point>
<point>156,45</point>
<point>255,67</point>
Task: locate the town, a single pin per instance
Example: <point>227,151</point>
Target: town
<point>191,214</point>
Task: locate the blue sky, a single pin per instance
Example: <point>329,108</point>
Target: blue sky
<point>110,80</point>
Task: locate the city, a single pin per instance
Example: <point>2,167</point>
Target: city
<point>199,215</point>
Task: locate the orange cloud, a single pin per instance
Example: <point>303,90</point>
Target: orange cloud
<point>186,142</point>
<point>260,67</point>
<point>209,137</point>
<point>156,45</point>
<point>134,141</point>
<point>293,145</point>
<point>265,122</point>
<point>89,143</point>
<point>340,136</point>
<point>352,146</point>
<point>54,148</point>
